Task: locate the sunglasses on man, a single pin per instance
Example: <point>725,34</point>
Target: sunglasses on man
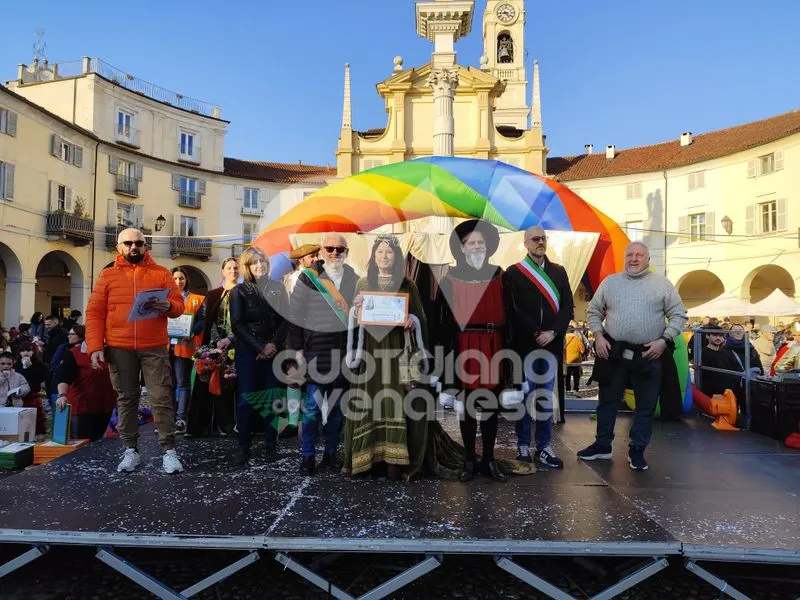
<point>537,238</point>
<point>129,243</point>
<point>337,249</point>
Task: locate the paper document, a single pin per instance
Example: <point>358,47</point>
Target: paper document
<point>138,312</point>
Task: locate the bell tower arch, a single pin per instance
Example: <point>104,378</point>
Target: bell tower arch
<point>504,49</point>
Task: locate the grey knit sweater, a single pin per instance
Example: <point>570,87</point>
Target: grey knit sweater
<point>636,308</point>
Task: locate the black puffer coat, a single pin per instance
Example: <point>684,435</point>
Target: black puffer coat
<point>314,327</point>
<point>258,314</point>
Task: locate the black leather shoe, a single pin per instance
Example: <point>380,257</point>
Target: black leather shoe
<point>271,453</point>
<point>493,470</point>
<point>467,472</point>
<point>289,432</point>
<point>307,466</point>
<point>331,463</point>
<point>242,456</point>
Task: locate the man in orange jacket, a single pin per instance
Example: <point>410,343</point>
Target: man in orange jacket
<point>132,347</point>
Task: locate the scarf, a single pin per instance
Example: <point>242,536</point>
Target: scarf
<point>541,280</point>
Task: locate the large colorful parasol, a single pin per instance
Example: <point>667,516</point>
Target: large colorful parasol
<point>450,187</point>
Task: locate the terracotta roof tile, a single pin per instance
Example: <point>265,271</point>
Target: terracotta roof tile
<point>669,155</point>
<point>278,172</point>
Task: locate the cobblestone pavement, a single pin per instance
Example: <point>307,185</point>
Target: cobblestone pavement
<point>73,574</point>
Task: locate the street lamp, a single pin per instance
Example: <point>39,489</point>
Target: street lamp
<point>727,224</point>
<point>161,221</point>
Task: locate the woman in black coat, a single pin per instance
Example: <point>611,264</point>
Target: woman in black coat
<point>258,318</point>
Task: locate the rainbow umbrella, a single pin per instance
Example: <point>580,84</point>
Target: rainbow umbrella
<point>449,187</point>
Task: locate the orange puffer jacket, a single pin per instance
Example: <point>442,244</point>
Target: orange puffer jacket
<point>111,301</point>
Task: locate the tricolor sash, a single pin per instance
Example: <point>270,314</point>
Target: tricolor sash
<point>332,296</point>
<point>541,280</point>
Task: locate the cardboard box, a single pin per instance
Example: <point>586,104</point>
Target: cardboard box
<point>16,456</point>
<point>17,424</point>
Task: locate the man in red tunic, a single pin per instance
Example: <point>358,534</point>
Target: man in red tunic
<point>470,322</point>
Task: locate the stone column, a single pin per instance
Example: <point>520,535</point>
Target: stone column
<point>20,297</point>
<point>444,83</point>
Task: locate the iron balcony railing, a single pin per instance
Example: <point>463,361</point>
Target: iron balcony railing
<point>127,185</point>
<point>190,246</point>
<point>67,226</point>
<point>189,155</point>
<point>113,231</point>
<point>127,136</point>
<point>189,199</point>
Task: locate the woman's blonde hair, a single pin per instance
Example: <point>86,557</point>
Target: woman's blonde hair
<point>244,263</point>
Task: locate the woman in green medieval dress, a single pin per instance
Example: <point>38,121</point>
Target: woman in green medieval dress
<point>378,433</point>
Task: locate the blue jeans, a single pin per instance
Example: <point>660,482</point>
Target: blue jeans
<point>541,378</point>
<point>182,376</point>
<point>312,411</point>
<point>644,377</point>
<point>254,376</point>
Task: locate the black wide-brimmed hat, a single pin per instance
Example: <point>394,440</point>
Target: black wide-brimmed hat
<point>489,231</point>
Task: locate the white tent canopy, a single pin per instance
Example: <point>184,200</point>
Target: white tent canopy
<point>777,304</point>
<point>571,249</point>
<point>724,305</point>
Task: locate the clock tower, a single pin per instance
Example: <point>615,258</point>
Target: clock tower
<point>504,49</point>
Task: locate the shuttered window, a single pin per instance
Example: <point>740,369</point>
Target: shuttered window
<point>8,122</point>
<point>697,180</point>
<point>6,181</point>
<point>69,153</point>
<point>766,164</point>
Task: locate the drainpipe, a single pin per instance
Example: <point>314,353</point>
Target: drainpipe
<point>94,214</point>
<point>666,228</point>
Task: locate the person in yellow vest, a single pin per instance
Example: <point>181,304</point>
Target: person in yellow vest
<point>573,356</point>
<point>182,349</point>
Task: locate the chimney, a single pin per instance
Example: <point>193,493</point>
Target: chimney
<point>299,163</point>
<point>611,151</point>
<point>86,65</point>
<point>686,138</point>
<point>589,148</point>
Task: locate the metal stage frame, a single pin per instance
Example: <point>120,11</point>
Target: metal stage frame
<point>308,523</point>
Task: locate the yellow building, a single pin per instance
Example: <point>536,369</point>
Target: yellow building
<point>86,150</point>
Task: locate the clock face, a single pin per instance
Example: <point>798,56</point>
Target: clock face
<point>506,13</point>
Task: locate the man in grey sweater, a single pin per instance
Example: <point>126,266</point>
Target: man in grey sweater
<point>643,314</point>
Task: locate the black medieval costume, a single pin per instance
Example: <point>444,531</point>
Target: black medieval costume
<point>471,316</point>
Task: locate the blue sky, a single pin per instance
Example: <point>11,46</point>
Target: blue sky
<point>624,72</point>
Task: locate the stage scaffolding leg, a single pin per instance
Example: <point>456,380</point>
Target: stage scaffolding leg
<point>159,589</point>
<point>23,559</point>
<point>430,563</point>
<point>645,572</point>
<point>722,585</point>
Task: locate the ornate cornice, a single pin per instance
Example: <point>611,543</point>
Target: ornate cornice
<point>444,16</point>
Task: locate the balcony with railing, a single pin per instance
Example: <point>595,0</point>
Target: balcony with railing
<point>127,185</point>
<point>189,155</point>
<point>197,247</point>
<point>113,231</point>
<point>68,226</point>
<point>252,210</point>
<point>188,199</point>
<point>127,136</point>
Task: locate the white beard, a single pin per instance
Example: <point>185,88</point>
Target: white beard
<point>475,259</point>
<point>334,269</point>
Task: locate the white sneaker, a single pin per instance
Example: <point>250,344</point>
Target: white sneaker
<point>130,460</point>
<point>171,462</point>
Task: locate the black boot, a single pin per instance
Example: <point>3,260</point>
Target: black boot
<point>307,466</point>
<point>271,453</point>
<point>493,470</point>
<point>242,457</point>
<point>330,462</point>
<point>289,432</point>
<point>467,472</point>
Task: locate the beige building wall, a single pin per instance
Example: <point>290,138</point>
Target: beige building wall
<point>749,261</point>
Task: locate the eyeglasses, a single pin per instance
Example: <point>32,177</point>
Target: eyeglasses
<point>337,249</point>
<point>129,243</point>
<point>537,238</point>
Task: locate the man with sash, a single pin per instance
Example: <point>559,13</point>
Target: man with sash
<point>542,308</point>
<point>318,333</point>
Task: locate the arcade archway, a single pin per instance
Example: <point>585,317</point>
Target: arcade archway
<point>698,287</point>
<point>60,284</point>
<point>762,281</point>
<point>10,287</point>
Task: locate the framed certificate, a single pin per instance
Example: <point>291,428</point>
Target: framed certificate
<point>180,327</point>
<point>383,308</point>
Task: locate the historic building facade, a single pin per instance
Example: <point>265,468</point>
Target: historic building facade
<point>86,150</point>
